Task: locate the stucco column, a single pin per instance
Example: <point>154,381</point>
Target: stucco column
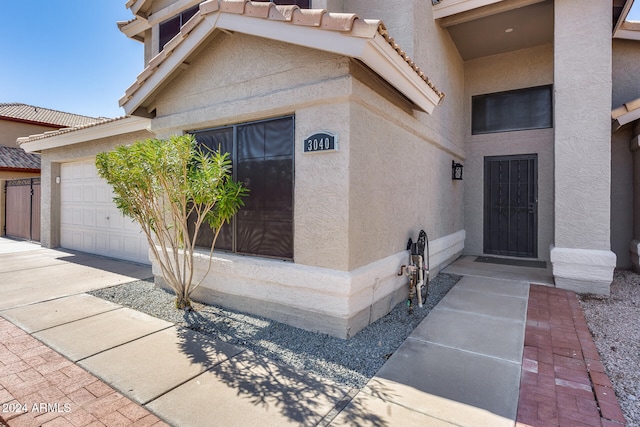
<point>50,204</point>
<point>634,146</point>
<point>581,257</point>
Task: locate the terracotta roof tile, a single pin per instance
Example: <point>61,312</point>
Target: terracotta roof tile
<point>47,116</point>
<point>341,22</point>
<point>44,135</point>
<point>17,158</point>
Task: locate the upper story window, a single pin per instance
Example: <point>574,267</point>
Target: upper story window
<point>302,4</point>
<point>521,109</point>
<point>171,27</point>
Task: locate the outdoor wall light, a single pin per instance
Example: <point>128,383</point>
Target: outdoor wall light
<point>456,171</point>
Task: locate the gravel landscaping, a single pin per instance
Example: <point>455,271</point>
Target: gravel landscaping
<point>349,362</point>
<point>614,323</point>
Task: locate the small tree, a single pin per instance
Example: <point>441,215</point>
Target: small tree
<point>164,184</point>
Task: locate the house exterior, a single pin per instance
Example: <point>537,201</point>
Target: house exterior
<point>18,120</point>
<point>344,118</point>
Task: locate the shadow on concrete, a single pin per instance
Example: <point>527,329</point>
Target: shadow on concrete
<point>277,390</point>
<point>111,265</point>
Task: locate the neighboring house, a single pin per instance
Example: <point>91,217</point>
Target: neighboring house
<point>335,114</point>
<point>19,120</point>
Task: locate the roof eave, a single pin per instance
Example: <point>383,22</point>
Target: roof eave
<point>135,29</point>
<point>372,49</point>
<point>70,137</point>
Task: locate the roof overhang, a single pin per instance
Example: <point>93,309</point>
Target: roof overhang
<point>624,29</point>
<point>138,7</point>
<point>444,8</point>
<point>364,40</point>
<point>71,136</point>
<point>627,113</point>
<point>135,28</point>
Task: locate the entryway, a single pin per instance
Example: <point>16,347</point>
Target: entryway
<point>510,205</point>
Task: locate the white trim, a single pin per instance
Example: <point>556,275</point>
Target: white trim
<point>374,52</point>
<point>627,34</point>
<point>91,133</point>
<point>443,249</point>
<point>626,118</point>
<point>135,28</point>
<point>583,270</point>
<point>618,32</point>
<point>171,11</point>
<point>451,7</point>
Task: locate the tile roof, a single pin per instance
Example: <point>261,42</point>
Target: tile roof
<point>627,113</point>
<point>33,114</point>
<point>53,133</point>
<point>344,23</point>
<point>17,158</point>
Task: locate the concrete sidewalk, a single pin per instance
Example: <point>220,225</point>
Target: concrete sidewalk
<point>461,366</point>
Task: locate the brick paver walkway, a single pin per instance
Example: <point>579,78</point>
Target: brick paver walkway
<point>563,382</point>
<point>39,387</point>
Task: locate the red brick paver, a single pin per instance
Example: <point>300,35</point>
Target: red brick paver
<point>39,387</point>
<point>563,382</point>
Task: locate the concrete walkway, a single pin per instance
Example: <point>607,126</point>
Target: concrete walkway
<point>462,365</point>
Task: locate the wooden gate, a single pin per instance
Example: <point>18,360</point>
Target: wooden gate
<point>22,208</point>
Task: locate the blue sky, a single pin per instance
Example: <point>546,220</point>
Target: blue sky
<point>67,55</point>
<point>634,13</point>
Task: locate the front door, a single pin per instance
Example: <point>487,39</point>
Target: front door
<point>510,205</point>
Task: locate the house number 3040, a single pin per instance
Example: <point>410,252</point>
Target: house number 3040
<point>320,142</point>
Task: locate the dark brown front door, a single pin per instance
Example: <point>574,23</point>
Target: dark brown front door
<point>510,205</point>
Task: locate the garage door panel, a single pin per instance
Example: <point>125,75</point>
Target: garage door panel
<point>88,193</point>
<point>102,218</point>
<point>89,217</point>
<point>77,217</point>
<point>90,221</point>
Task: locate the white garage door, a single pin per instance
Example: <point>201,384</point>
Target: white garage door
<point>90,221</point>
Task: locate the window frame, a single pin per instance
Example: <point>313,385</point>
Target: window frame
<point>234,230</point>
<point>481,127</point>
<point>182,18</point>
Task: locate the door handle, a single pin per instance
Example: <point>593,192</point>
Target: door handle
<point>532,206</point>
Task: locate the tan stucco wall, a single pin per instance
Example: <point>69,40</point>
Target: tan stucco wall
<point>626,87</point>
<point>581,256</point>
<point>621,196</point>
<point>50,162</point>
<point>519,69</point>
<point>12,130</point>
<point>582,78</point>
<point>353,209</point>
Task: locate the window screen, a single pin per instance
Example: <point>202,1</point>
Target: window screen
<point>262,156</point>
<point>521,109</point>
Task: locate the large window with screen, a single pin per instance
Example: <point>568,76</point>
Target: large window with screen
<point>514,110</point>
<point>262,158</point>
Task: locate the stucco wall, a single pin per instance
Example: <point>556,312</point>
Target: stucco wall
<point>50,163</point>
<point>353,209</point>
<point>625,88</point>
<point>582,78</point>
<point>621,196</point>
<point>519,69</point>
<point>625,76</point>
<point>11,130</point>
